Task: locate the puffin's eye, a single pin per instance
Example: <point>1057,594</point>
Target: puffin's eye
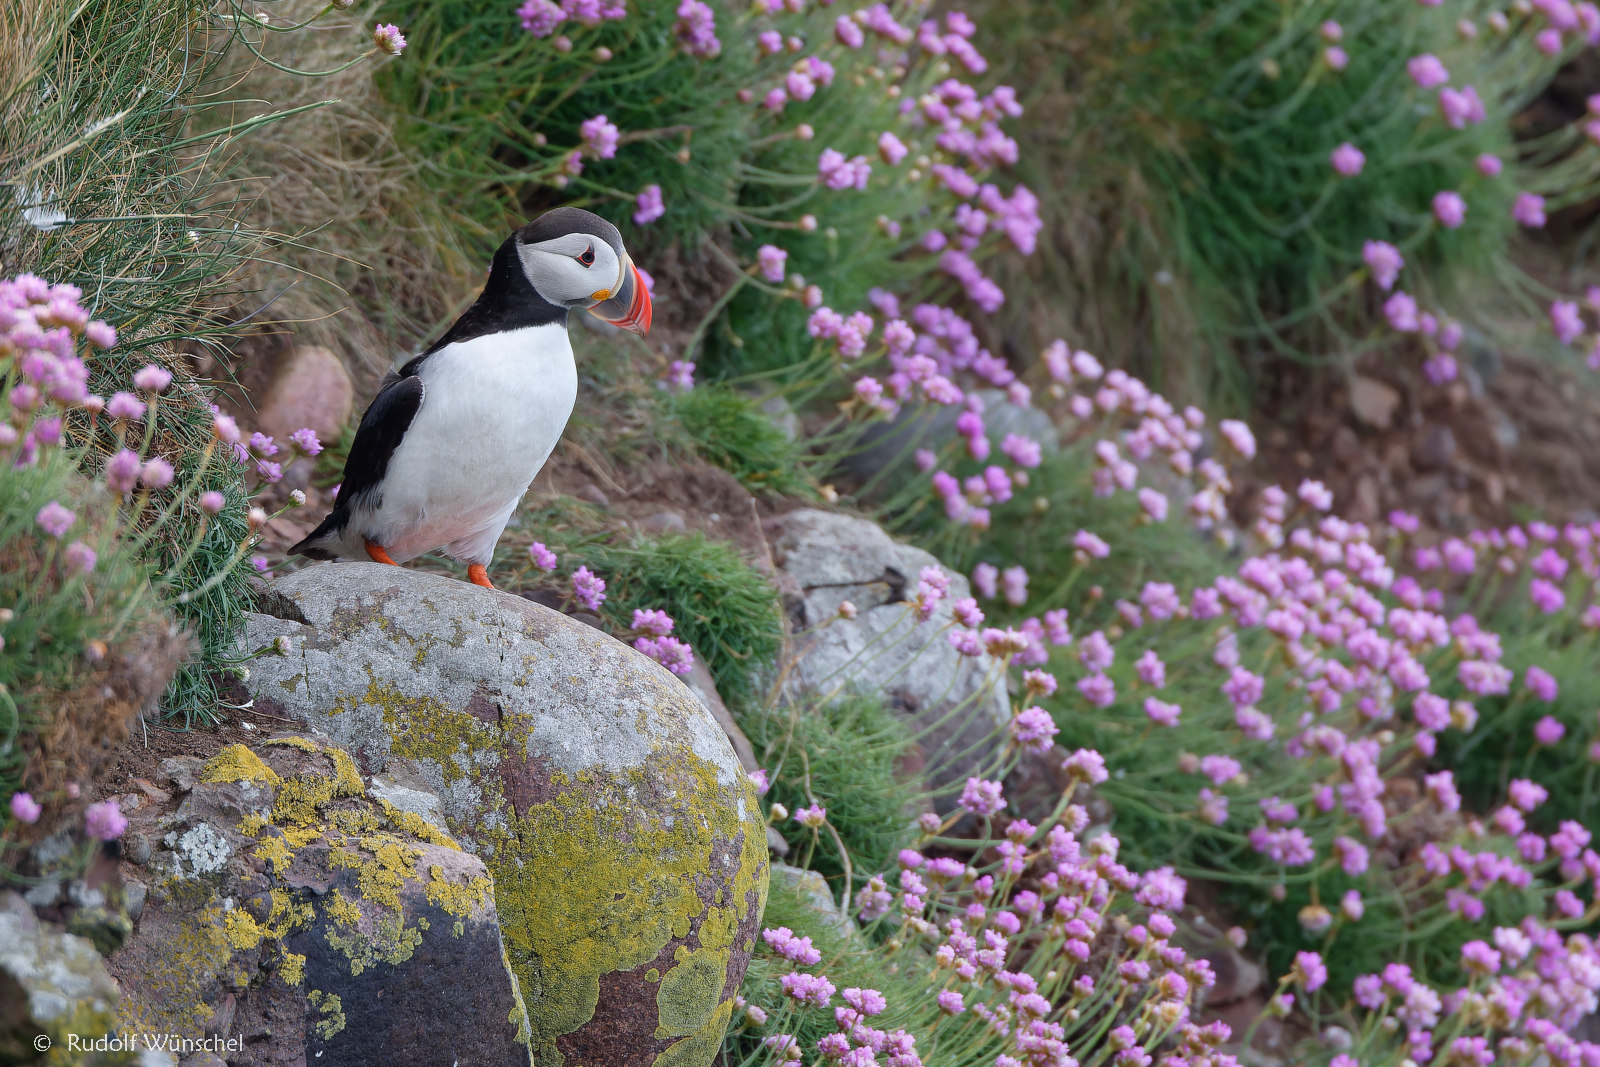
<point>587,259</point>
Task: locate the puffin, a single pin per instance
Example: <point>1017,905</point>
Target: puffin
<point>453,439</point>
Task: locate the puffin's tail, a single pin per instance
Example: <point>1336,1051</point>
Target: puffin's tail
<point>323,542</point>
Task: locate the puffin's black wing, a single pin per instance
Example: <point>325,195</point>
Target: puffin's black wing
<point>382,428</point>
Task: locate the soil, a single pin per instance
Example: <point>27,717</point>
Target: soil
<point>1514,437</point>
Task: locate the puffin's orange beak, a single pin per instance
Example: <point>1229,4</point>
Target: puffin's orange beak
<point>628,307</point>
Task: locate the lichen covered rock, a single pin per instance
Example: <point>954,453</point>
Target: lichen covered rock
<point>627,847</point>
<point>52,984</point>
<point>297,918</point>
<point>955,702</point>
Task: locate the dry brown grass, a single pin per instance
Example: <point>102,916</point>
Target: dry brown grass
<point>362,259</point>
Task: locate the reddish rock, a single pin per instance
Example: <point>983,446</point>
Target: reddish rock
<point>313,389</point>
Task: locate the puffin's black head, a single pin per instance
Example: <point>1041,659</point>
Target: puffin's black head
<point>575,259</point>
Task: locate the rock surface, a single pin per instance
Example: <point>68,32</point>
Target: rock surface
<point>311,388</point>
<point>52,984</point>
<point>827,559</point>
<point>627,847</point>
<point>297,917</point>
<point>890,445</point>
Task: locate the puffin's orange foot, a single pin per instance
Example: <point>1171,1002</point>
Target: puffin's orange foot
<point>378,554</point>
<point>478,576</point>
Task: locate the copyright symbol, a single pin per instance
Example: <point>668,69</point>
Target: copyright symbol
<point>42,1043</point>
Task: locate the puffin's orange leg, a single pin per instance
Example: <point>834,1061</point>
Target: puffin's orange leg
<point>478,576</point>
<point>379,555</point>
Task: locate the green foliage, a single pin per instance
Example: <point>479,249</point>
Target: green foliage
<point>1502,747</point>
<point>729,430</point>
<point>496,113</point>
<point>1182,151</point>
<point>60,623</point>
<point>847,959</point>
<point>845,754</point>
<point>113,125</point>
<point>724,608</point>
<point>1035,529</point>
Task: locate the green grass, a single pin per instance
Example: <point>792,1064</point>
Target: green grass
<point>845,754</point>
<point>1181,151</point>
<point>729,430</point>
<point>60,625</point>
<point>724,608</point>
<point>126,131</point>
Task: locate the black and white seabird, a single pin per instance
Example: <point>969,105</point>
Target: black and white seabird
<point>455,437</point>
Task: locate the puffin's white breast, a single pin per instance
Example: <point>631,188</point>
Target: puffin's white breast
<point>492,410</point>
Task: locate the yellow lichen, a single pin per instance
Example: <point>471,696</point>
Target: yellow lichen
<point>391,942</point>
<point>415,825</point>
<point>341,910</point>
<point>702,1045</point>
<point>591,881</point>
<point>332,1011</point>
<point>237,763</point>
<point>293,968</point>
<point>391,864</point>
<point>459,900</point>
<point>241,929</point>
<point>275,850</point>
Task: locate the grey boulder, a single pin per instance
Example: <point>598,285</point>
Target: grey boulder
<point>627,847</point>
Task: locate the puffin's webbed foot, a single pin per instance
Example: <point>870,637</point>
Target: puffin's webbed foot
<point>477,575</point>
<point>378,554</point>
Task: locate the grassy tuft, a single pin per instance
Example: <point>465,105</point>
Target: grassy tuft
<point>729,430</point>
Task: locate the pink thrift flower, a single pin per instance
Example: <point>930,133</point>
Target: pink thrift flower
<point>588,588</point>
<point>1566,320</point>
<point>156,473</point>
<point>600,137</point>
<point>982,797</point>
<point>1385,262</point>
<point>1401,311</point>
<point>696,30</point>
<point>388,38</point>
<point>1335,57</point>
<point>771,262</point>
<point>648,206</point>
<point>1461,107</point>
<point>79,558</point>
<point>1528,209</point>
<point>24,808</point>
<point>104,821</point>
<point>152,379</point>
<point>540,17</point>
<point>1014,580</point>
<point>1489,165</point>
<point>1549,730</point>
<point>1544,686</point>
<point>54,519</point>
<point>1427,71</point>
<point>891,149</point>
<point>1450,209</point>
<point>1348,160</point>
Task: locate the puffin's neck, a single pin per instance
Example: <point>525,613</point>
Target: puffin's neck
<point>508,302</point>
